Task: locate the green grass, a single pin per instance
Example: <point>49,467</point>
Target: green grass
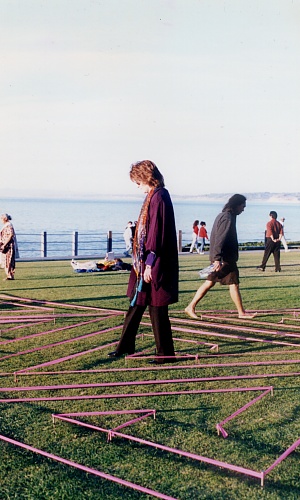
<point>256,437</point>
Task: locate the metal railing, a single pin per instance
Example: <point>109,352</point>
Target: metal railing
<point>67,244</point>
<point>74,244</point>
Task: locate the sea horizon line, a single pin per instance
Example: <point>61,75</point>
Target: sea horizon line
<point>262,197</point>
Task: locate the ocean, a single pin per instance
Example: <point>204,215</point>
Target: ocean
<point>92,219</point>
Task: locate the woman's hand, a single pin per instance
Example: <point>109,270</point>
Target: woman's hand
<point>148,274</point>
<point>217,265</point>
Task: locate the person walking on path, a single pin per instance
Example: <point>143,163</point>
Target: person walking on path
<point>224,256</point>
<point>127,235</point>
<point>283,240</point>
<point>274,233</point>
<point>195,235</point>
<point>153,280</point>
<point>8,247</point>
<point>203,236</point>
<point>133,230</point>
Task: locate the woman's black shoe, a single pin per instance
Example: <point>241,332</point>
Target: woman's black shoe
<point>114,354</point>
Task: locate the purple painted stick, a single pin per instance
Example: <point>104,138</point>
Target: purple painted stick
<point>60,304</point>
<point>176,367</point>
<point>224,335</point>
<point>26,325</point>
<point>233,328</point>
<point>283,456</point>
<point>219,426</point>
<point>63,416</point>
<point>68,327</point>
<point>202,379</point>
<point>261,475</point>
<point>107,412</point>
<point>190,341</point>
<point>134,383</point>
<point>89,470</point>
<point>252,321</point>
<point>71,356</point>
<point>67,358</point>
<point>18,318</point>
<point>223,312</point>
<point>55,344</point>
<point>132,395</point>
<point>29,307</point>
<point>193,456</point>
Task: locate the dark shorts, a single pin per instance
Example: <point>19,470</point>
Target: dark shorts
<point>228,274</point>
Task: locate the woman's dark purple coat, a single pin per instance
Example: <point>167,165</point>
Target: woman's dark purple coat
<point>160,239</point>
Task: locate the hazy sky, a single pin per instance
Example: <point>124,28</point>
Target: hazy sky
<point>207,89</point>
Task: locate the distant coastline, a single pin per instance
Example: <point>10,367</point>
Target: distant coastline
<point>92,218</point>
<point>262,197</point>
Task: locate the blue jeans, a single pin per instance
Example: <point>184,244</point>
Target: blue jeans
<point>202,244</point>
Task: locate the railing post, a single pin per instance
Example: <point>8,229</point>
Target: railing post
<point>75,244</point>
<point>179,241</point>
<point>44,244</point>
<point>109,241</point>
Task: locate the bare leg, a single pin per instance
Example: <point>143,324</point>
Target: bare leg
<point>190,309</point>
<point>237,299</point>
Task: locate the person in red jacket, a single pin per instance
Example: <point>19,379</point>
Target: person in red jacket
<point>274,233</point>
<point>203,236</point>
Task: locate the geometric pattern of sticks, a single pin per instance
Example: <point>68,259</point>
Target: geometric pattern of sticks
<point>23,313</point>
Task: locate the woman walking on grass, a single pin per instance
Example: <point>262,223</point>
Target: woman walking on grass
<point>195,235</point>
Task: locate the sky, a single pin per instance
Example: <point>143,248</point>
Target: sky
<point>207,89</point>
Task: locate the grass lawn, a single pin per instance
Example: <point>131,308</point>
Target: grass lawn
<point>256,437</point>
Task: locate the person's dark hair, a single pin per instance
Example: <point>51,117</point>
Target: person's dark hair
<point>202,223</point>
<point>146,172</point>
<point>234,202</point>
<point>273,214</point>
<point>195,223</point>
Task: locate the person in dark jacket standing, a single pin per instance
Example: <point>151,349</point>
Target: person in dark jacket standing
<point>153,280</point>
<point>224,256</point>
<point>274,233</point>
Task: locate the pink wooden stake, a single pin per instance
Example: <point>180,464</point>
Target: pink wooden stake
<point>89,470</point>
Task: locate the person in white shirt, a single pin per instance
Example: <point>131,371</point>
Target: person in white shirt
<point>283,240</point>
<point>127,235</point>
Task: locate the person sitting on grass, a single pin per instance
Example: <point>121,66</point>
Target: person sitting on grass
<point>224,256</point>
